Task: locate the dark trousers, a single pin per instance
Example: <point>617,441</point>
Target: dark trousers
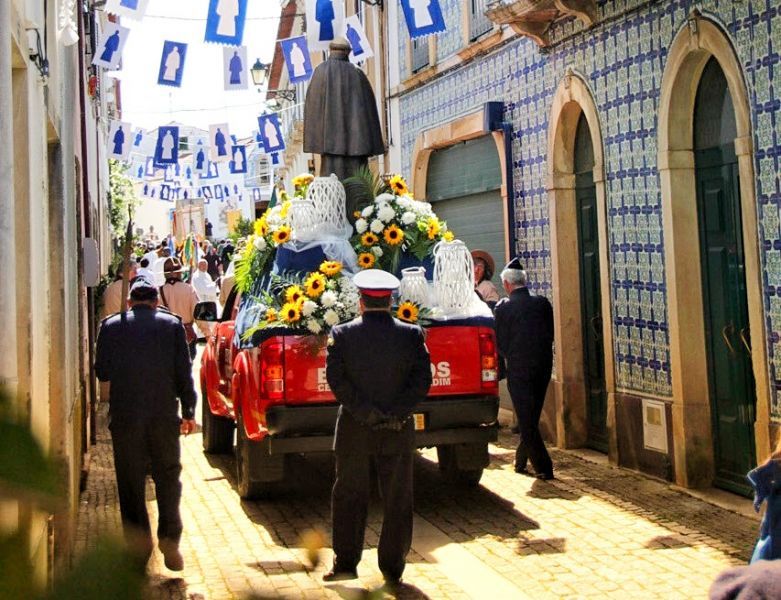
<point>141,447</point>
<point>356,448</point>
<point>528,396</point>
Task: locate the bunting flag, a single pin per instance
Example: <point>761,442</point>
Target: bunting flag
<point>235,68</point>
<point>361,50</point>
<point>167,147</point>
<point>423,17</point>
<point>297,59</point>
<point>108,54</point>
<point>133,9</point>
<point>225,22</point>
<point>138,139</point>
<point>219,140</point>
<point>268,125</point>
<point>238,163</point>
<point>324,22</point>
<point>172,64</point>
<point>119,140</point>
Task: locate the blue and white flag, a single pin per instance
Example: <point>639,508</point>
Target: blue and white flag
<point>167,147</point>
<point>297,59</point>
<point>206,192</point>
<point>137,169</point>
<point>172,64</point>
<point>218,192</point>
<point>361,50</point>
<point>108,54</point>
<point>201,158</point>
<point>238,163</point>
<point>150,166</point>
<point>270,132</point>
<point>212,171</point>
<point>225,22</point>
<point>256,195</point>
<point>235,68</point>
<point>138,139</point>
<point>423,17</point>
<point>165,193</point>
<point>324,22</point>
<point>133,9</point>
<point>275,159</point>
<point>219,142</point>
<point>119,140</point>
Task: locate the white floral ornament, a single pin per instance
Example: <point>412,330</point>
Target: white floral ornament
<point>331,317</point>
<point>329,199</point>
<point>328,299</point>
<point>361,225</point>
<point>453,276</point>
<point>377,226</point>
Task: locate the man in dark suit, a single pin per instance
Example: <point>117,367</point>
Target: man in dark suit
<point>524,335</point>
<point>143,354</point>
<point>378,369</point>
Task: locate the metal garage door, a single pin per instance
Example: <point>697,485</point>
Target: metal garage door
<point>464,188</point>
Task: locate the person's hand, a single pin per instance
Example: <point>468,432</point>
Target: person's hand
<point>187,427</point>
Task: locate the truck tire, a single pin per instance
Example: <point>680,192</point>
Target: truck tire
<point>451,464</point>
<point>257,472</point>
<point>217,431</point>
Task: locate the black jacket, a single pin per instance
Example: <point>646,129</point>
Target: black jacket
<point>378,367</point>
<point>144,354</point>
<point>524,333</point>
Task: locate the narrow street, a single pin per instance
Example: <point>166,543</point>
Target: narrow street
<point>594,532</point>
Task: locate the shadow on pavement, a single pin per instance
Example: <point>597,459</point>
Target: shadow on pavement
<point>403,591</point>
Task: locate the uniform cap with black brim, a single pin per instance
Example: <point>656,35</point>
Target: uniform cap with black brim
<point>376,283</point>
<point>514,264</point>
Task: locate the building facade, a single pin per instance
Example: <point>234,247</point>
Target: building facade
<point>635,173</point>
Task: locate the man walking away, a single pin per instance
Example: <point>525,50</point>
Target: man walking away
<point>180,299</point>
<point>113,302</point>
<point>524,335</point>
<point>378,369</point>
<point>143,416</point>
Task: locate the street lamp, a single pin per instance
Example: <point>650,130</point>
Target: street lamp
<point>259,72</point>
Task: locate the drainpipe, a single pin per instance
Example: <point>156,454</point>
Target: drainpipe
<point>8,355</point>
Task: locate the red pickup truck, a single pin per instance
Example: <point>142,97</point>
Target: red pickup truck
<point>276,396</point>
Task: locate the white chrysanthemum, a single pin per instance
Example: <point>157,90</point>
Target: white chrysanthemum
<point>386,213</point>
<point>377,226</point>
<point>404,202</point>
<point>361,225</point>
<point>408,218</point>
<point>385,198</point>
<point>260,243</point>
<point>309,308</point>
<point>331,317</point>
<point>367,212</point>
<point>377,251</point>
<point>328,299</point>
<point>313,326</point>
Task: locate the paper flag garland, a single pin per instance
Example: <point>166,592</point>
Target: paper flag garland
<point>234,60</point>
<point>108,54</point>
<point>219,141</point>
<point>225,22</point>
<point>297,59</point>
<point>172,64</point>
<point>119,140</point>
<point>268,125</point>
<point>423,17</point>
<point>355,34</point>
<point>133,9</point>
<point>324,22</point>
<point>167,147</point>
<point>238,163</point>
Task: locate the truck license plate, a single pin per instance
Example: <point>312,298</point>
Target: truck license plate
<point>420,421</point>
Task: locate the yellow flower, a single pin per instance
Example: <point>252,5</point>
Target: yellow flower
<point>293,294</point>
<point>433,227</point>
<point>398,186</point>
<point>393,235</point>
<point>271,315</point>
<point>331,268</point>
<point>366,260</point>
<point>281,235</point>
<point>315,285</point>
<point>261,226</point>
<point>369,239</point>
<point>448,236</point>
<point>303,179</point>
<point>356,214</point>
<point>291,312</point>
<point>407,312</point>
<point>285,208</point>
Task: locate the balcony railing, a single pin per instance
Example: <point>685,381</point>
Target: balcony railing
<point>478,22</point>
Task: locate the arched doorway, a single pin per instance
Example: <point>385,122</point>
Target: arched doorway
<point>712,266</point>
<point>727,333</point>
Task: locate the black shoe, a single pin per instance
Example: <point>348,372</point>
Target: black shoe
<point>523,471</point>
<point>172,558</point>
<point>544,476</point>
<point>340,574</point>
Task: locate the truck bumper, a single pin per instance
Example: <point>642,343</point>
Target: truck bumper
<point>471,420</point>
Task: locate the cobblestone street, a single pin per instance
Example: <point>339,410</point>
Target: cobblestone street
<point>595,532</point>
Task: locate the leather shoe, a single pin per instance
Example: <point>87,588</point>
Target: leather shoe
<point>340,574</point>
<point>171,556</point>
<point>544,476</point>
<point>523,471</point>
<point>392,583</point>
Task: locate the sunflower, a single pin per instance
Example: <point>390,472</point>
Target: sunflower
<point>315,285</point>
<point>294,294</point>
<point>366,260</point>
<point>302,180</point>
<point>290,313</point>
<point>393,235</point>
<point>407,312</point>
<point>432,227</point>
<point>261,226</point>
<point>285,208</point>
<point>398,185</point>
<point>281,235</point>
<point>271,315</point>
<point>448,236</point>
<point>368,239</point>
<point>331,268</point>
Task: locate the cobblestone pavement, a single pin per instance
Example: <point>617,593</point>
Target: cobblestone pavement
<point>594,532</point>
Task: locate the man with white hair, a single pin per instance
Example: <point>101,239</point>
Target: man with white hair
<point>524,335</point>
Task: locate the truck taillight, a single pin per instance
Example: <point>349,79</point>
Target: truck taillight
<point>272,371</point>
<point>488,360</point>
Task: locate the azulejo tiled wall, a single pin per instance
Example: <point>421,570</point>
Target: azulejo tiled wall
<point>621,59</point>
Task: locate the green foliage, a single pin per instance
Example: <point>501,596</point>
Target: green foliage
<point>122,198</point>
<point>364,187</point>
<point>244,228</point>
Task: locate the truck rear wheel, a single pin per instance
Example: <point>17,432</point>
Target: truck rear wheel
<point>217,431</point>
<point>257,471</point>
<point>462,464</point>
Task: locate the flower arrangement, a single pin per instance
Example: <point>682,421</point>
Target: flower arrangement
<point>311,304</point>
<point>412,312</point>
<point>394,223</point>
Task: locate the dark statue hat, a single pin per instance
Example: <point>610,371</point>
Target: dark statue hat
<point>376,283</point>
<point>514,264</point>
<point>143,290</point>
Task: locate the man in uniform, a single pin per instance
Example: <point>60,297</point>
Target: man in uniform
<point>180,299</point>
<point>524,335</point>
<point>113,302</point>
<point>378,369</point>
<point>143,354</point>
